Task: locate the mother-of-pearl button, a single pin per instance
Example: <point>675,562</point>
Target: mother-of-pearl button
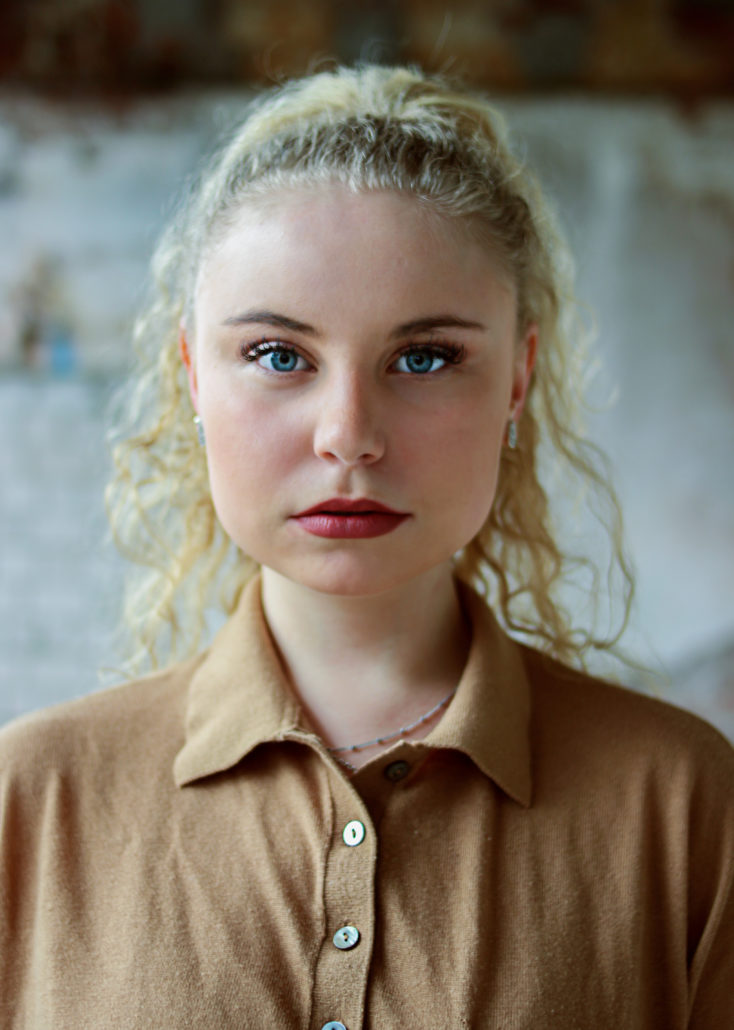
<point>346,937</point>
<point>353,833</point>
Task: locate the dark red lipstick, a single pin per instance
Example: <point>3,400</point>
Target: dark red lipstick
<point>341,518</point>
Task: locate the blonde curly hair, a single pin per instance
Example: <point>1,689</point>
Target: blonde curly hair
<point>369,128</point>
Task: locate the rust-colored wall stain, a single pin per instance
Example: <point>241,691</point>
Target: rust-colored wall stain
<point>116,47</point>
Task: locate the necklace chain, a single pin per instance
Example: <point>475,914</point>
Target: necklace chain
<point>387,737</point>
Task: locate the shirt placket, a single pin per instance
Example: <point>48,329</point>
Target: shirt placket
<point>342,968</point>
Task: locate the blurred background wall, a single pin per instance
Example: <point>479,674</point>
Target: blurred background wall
<point>625,108</point>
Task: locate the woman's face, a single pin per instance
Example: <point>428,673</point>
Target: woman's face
<point>353,346</point>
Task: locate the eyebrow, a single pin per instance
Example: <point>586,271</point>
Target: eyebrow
<point>416,325</point>
<point>422,325</point>
<point>271,318</point>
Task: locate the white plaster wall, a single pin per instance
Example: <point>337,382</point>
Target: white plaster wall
<point>648,201</point>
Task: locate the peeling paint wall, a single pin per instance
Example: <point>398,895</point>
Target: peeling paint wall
<point>119,47</point>
<point>647,195</point>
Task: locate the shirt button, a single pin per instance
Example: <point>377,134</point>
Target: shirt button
<point>353,833</point>
<point>346,938</point>
<point>333,1025</point>
<point>396,771</point>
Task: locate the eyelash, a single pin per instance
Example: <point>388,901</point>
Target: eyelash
<point>451,353</point>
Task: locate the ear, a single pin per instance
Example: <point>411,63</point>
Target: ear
<point>187,357</point>
<point>524,363</point>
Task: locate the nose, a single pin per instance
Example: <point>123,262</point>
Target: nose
<point>348,426</point>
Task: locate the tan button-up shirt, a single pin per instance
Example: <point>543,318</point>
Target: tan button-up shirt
<point>179,852</point>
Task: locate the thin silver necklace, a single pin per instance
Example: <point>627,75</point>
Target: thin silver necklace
<point>387,737</point>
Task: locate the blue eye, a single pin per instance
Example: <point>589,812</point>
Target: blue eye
<point>282,360</point>
<point>279,357</point>
<point>422,360</point>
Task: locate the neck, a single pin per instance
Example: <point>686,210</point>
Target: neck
<point>364,666</point>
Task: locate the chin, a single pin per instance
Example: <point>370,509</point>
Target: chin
<point>352,575</point>
<point>347,582</point>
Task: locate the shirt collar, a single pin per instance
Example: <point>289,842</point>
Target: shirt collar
<point>239,697</point>
<point>489,717</point>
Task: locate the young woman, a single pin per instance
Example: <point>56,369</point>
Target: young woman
<point>367,804</point>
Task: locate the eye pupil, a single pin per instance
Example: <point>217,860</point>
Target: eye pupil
<point>419,361</point>
<point>283,360</point>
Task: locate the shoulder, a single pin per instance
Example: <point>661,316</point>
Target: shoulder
<point>644,791</point>
<point>597,725</point>
<point>124,725</point>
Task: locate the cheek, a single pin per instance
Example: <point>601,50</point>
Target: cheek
<point>250,445</point>
<point>458,441</point>
<point>461,461</point>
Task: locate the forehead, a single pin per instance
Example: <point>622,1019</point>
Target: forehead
<point>330,243</point>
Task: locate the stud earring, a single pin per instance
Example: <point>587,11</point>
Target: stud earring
<point>200,430</point>
<point>512,434</point>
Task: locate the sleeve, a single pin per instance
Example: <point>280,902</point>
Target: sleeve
<point>15,865</point>
<point>29,810</point>
<point>711,892</point>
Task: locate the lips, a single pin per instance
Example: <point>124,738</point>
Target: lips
<point>343,519</point>
<point>344,506</point>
